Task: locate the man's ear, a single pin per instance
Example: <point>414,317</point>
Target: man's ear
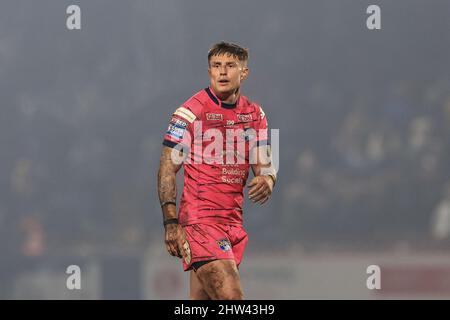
<point>244,73</point>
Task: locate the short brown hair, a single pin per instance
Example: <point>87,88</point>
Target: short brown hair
<point>230,48</point>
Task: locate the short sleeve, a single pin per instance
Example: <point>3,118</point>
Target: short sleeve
<point>180,129</point>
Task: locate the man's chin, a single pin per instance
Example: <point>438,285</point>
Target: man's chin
<point>225,90</point>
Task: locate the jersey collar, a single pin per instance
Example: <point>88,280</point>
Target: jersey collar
<point>216,100</point>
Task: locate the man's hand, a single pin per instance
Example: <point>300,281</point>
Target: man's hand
<point>260,189</point>
<point>176,242</point>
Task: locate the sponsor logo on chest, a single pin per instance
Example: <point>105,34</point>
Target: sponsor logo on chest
<point>214,116</point>
<point>244,117</point>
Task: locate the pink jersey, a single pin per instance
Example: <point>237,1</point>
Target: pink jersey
<point>214,178</point>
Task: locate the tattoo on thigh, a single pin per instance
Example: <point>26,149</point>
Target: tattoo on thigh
<point>215,279</point>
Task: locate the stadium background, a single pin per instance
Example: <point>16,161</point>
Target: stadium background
<point>364,119</point>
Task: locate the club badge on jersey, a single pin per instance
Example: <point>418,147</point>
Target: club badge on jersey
<point>224,245</point>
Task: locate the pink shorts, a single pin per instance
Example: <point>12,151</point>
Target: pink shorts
<point>214,242</point>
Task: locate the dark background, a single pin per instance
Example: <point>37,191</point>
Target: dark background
<point>364,120</point>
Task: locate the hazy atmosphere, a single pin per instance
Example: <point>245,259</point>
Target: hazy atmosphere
<point>364,120</point>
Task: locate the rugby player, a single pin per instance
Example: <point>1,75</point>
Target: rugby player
<point>219,134</point>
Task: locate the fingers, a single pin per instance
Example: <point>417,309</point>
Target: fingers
<point>264,200</point>
<point>256,190</point>
<point>181,242</point>
<point>253,182</point>
<point>174,249</point>
<point>172,242</point>
<point>179,251</point>
<point>180,246</point>
<point>171,248</point>
<point>261,195</point>
<point>177,245</point>
<point>260,191</point>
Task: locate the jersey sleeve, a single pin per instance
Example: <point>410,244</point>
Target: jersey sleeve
<point>180,130</point>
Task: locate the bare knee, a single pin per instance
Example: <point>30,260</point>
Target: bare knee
<point>199,296</point>
<point>231,295</point>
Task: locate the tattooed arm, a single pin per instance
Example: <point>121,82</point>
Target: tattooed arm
<point>167,183</point>
<point>167,192</point>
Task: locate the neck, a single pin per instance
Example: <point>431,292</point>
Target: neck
<point>228,97</point>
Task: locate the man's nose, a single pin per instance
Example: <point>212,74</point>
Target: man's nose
<point>223,70</point>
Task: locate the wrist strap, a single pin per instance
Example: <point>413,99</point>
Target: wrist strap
<point>170,221</point>
<point>168,202</point>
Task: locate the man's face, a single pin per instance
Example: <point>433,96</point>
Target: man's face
<point>226,72</point>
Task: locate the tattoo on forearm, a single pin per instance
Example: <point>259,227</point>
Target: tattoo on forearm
<point>167,184</point>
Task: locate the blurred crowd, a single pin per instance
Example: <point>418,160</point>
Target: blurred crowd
<point>380,176</point>
<point>364,119</point>
<point>366,170</point>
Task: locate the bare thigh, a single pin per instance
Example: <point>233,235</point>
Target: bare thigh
<point>220,280</point>
<point>196,291</point>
